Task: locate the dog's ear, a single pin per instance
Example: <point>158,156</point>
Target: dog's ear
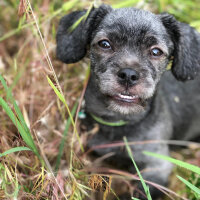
<point>186,54</point>
<point>72,44</point>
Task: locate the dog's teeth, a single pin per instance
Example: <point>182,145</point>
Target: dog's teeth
<point>127,97</point>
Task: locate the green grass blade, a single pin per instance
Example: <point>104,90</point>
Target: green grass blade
<point>16,149</point>
<point>3,82</point>
<point>25,135</point>
<point>77,23</point>
<point>15,31</point>
<point>146,188</point>
<point>16,107</point>
<point>60,96</point>
<point>15,121</point>
<point>126,3</point>
<point>82,18</point>
<point>69,5</point>
<point>61,147</point>
<point>190,185</point>
<point>185,165</point>
<point>18,120</point>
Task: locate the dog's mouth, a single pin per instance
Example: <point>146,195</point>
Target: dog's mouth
<point>126,99</point>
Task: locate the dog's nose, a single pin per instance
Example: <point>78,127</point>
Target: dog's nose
<point>128,76</point>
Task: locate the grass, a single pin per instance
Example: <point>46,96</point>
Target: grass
<point>18,119</point>
<point>145,187</point>
<point>184,165</point>
<point>42,149</point>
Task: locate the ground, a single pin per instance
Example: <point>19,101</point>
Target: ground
<point>62,170</point>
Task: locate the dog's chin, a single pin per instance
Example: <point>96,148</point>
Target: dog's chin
<point>126,104</point>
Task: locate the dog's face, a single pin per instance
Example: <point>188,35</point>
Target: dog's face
<point>129,50</point>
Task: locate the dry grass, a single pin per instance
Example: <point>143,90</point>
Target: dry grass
<point>24,65</point>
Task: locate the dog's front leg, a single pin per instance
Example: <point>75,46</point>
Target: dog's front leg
<point>152,169</point>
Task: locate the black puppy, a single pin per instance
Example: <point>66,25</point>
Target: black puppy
<point>130,50</point>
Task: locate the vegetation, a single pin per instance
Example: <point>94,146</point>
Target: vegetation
<point>42,148</point>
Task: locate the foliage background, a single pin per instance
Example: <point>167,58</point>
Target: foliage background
<point>24,66</point>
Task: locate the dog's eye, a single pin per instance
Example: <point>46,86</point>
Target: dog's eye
<point>156,52</point>
<point>104,44</point>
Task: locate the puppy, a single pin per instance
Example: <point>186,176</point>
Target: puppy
<point>129,50</point>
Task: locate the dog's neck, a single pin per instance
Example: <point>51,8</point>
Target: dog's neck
<point>95,105</point>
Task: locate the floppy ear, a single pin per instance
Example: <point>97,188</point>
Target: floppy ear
<point>186,54</point>
<point>72,44</point>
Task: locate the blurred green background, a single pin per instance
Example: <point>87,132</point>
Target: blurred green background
<point>23,65</point>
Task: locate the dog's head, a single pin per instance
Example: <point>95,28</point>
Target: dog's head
<point>129,50</point>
